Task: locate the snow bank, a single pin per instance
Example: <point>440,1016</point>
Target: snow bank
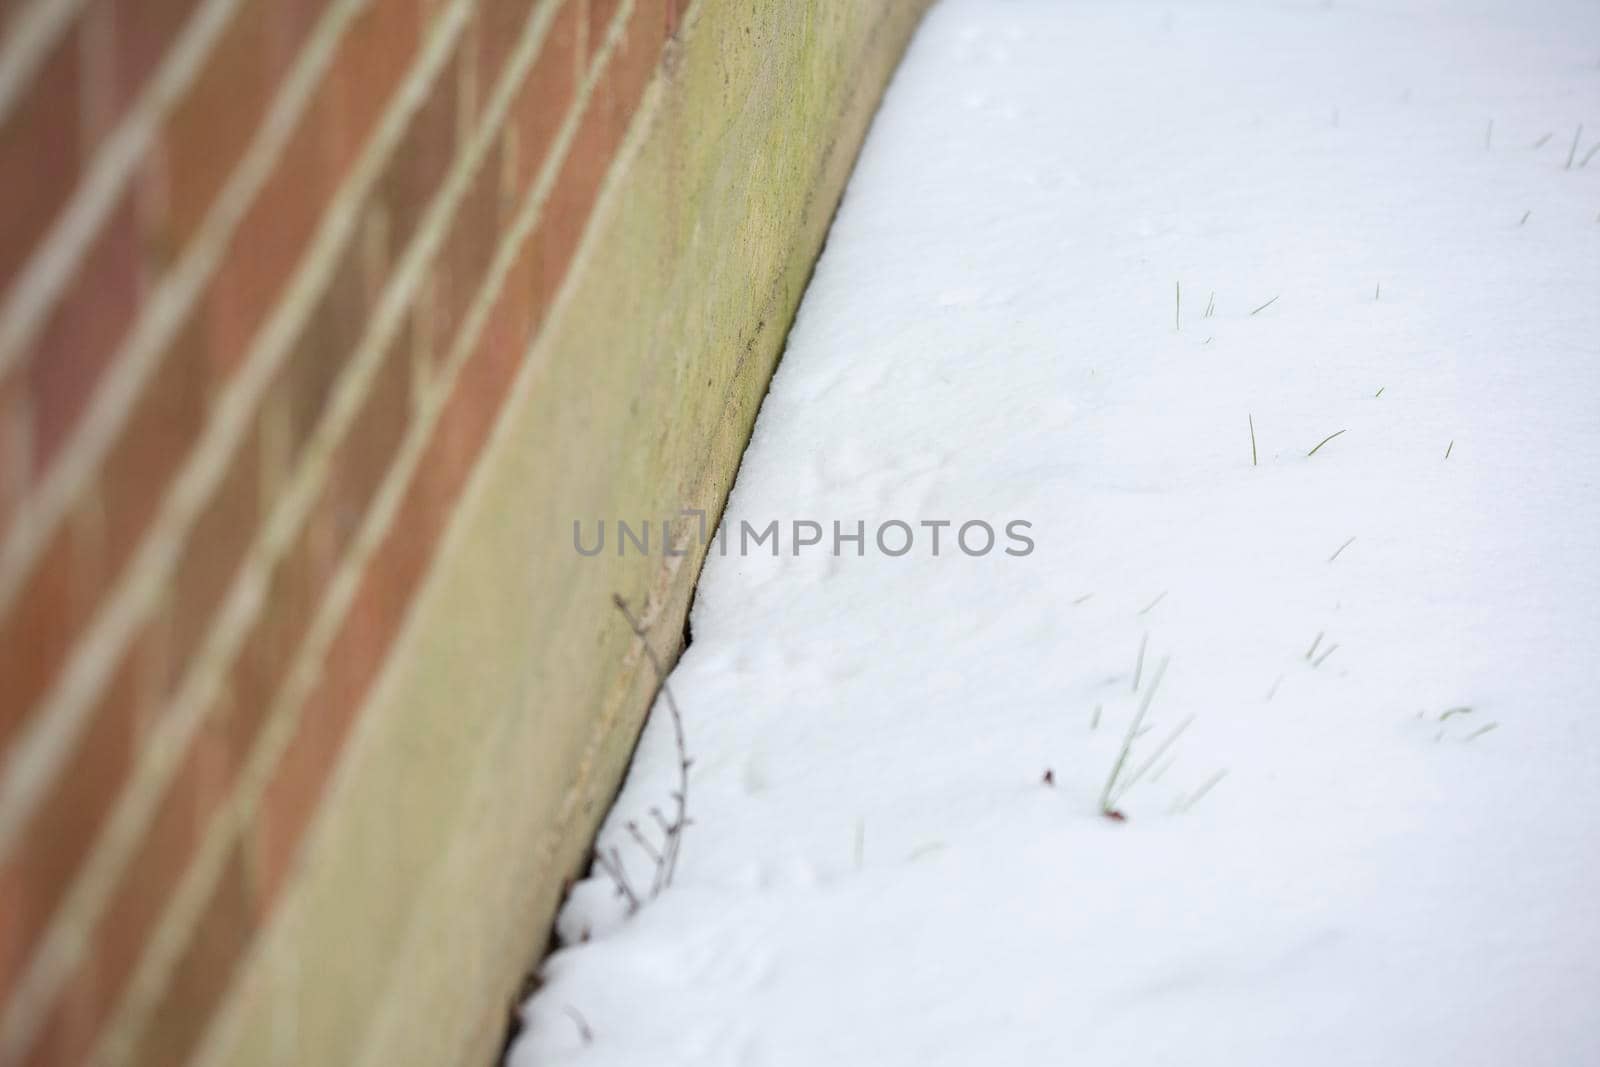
<point>877,873</point>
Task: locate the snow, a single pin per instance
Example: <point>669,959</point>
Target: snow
<point>876,873</point>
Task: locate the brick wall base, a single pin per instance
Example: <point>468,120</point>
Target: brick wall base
<point>321,321</point>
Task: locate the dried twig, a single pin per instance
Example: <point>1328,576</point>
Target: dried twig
<point>664,857</point>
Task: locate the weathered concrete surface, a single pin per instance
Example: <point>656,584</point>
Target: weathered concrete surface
<point>507,713</point>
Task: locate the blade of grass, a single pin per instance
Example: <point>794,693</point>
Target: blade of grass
<point>1203,790</point>
<point>1265,306</point>
<point>1324,441</point>
<point>1127,741</point>
<point>1144,768</point>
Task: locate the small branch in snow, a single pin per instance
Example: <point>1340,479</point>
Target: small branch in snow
<point>611,863</point>
<point>1265,306</point>
<point>665,856</point>
<point>1340,549</point>
<point>1447,449</point>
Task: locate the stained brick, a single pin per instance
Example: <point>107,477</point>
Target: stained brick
<point>601,12</point>
<point>209,768</point>
<point>209,129</point>
<point>55,602</point>
<point>468,248</point>
<point>325,346</point>
<point>292,24</point>
<point>53,845</point>
<point>215,548</point>
<point>265,248</point>
<point>165,424</point>
<point>499,26</point>
<point>417,169</point>
<point>369,449</point>
<point>144,30</point>
<point>81,336</point>
<point>372,56</point>
<point>40,155</point>
<point>540,106</point>
<point>201,977</point>
<point>16,436</point>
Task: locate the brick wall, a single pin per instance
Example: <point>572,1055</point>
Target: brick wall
<point>268,270</point>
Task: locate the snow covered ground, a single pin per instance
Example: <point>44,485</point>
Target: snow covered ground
<point>1402,863</point>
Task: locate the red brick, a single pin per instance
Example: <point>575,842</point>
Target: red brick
<point>292,23</point>
<point>601,12</point>
<point>500,24</point>
<point>37,634</point>
<point>417,169</point>
<point>366,634</point>
<point>144,30</point>
<point>540,106</point>
<point>266,247</point>
<point>35,875</point>
<point>40,155</point>
<point>268,649</point>
<point>214,550</point>
<point>16,436</point>
<point>326,343</point>
<point>207,132</point>
<point>202,975</point>
<point>469,245</point>
<point>190,803</point>
<point>372,56</point>
<point>164,425</point>
<point>369,449</point>
<point>82,335</point>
